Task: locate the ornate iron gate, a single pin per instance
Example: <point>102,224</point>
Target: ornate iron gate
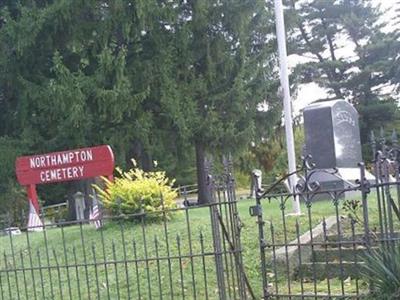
<point>322,253</point>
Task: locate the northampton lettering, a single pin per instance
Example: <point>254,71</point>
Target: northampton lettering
<point>56,160</point>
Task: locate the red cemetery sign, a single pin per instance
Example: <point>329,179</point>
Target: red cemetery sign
<point>63,166</point>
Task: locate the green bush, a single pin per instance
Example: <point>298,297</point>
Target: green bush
<point>382,268</point>
<point>56,214</point>
<point>136,191</point>
<point>242,180</point>
<point>14,205</point>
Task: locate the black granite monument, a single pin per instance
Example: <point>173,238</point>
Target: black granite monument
<point>332,137</point>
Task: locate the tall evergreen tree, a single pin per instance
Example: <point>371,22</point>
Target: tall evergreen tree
<point>222,70</point>
<point>148,77</point>
<point>74,74</point>
<point>396,57</point>
<point>351,55</point>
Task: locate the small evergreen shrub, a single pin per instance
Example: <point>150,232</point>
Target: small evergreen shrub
<point>136,191</point>
<point>382,268</point>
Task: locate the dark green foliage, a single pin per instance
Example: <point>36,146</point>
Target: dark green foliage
<point>223,62</point>
<point>11,195</point>
<point>270,154</point>
<point>383,270</point>
<point>396,60</point>
<point>150,78</point>
<point>67,81</point>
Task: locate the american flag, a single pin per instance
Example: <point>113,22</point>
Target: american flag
<point>94,216</point>
<point>34,222</point>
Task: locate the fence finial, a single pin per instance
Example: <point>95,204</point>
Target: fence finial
<point>372,137</point>
<point>373,144</point>
<point>394,137</point>
<point>382,135</point>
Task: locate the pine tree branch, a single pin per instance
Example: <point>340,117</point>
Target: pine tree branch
<point>328,37</point>
<point>331,72</point>
<point>306,38</point>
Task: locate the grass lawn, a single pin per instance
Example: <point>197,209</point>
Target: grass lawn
<point>130,250</point>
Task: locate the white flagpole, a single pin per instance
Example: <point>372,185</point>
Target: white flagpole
<point>280,33</point>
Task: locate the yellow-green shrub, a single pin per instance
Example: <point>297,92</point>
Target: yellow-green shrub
<point>136,191</point>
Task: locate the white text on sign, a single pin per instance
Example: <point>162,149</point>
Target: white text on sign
<point>54,160</point>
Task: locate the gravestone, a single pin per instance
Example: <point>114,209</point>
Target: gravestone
<point>256,182</point>
<point>79,206</point>
<point>332,137</point>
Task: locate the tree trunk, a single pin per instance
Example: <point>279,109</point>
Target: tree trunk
<point>203,189</point>
<point>141,155</point>
<point>72,188</point>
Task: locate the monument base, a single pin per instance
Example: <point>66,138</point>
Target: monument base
<point>343,179</point>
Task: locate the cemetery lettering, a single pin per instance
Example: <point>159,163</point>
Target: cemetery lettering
<point>61,174</point>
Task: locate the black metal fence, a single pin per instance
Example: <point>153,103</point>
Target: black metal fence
<point>226,249</point>
<point>180,253</point>
<point>322,253</point>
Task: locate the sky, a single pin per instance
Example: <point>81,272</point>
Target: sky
<point>311,92</point>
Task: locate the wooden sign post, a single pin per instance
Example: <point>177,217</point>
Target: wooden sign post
<point>61,166</point>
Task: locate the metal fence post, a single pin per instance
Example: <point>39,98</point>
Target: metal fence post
<point>256,211</point>
<point>395,143</point>
<point>216,234</point>
<point>364,186</point>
